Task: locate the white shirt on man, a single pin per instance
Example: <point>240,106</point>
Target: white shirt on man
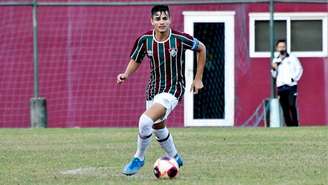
<point>289,70</point>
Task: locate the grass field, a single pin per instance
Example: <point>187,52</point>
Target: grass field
<point>223,156</point>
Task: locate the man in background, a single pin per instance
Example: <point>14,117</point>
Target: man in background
<point>287,70</point>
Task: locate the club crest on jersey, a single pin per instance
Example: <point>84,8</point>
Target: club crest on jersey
<point>149,53</point>
<point>173,52</point>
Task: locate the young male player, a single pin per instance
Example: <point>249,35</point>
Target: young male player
<point>165,48</point>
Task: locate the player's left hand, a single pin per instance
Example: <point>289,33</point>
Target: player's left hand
<point>196,86</point>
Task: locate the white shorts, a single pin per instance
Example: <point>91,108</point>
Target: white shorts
<point>167,100</point>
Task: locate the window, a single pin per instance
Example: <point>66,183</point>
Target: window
<point>262,34</point>
<point>305,33</point>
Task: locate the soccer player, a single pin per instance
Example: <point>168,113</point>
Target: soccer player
<point>288,70</point>
<point>165,48</point>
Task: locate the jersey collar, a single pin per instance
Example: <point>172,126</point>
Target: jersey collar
<point>161,41</point>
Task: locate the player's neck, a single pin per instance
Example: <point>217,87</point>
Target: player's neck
<point>161,36</point>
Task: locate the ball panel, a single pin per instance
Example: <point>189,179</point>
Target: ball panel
<point>172,172</point>
<point>165,158</point>
<point>157,173</point>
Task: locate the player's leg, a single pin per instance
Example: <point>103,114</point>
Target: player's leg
<point>160,130</point>
<point>165,139</point>
<point>292,106</point>
<point>284,102</point>
<point>146,122</point>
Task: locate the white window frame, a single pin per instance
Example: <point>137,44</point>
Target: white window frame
<point>288,17</point>
<point>226,17</point>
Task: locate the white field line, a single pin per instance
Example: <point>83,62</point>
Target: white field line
<point>102,172</point>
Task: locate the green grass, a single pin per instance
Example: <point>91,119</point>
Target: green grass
<point>222,156</point>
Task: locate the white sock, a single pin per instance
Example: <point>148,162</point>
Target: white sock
<point>165,139</point>
<point>142,145</point>
<point>144,136</point>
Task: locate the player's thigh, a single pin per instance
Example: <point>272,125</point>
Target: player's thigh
<point>161,106</point>
<point>292,98</point>
<point>283,98</point>
<point>156,111</point>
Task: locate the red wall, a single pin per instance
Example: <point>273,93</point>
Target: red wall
<point>83,48</point>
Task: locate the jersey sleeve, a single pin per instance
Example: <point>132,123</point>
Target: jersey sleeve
<point>139,50</point>
<point>189,42</point>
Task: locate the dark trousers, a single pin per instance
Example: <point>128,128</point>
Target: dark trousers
<point>287,98</point>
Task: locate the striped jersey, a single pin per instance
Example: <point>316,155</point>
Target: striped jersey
<point>166,61</point>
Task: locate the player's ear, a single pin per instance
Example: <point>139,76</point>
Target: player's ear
<point>151,20</point>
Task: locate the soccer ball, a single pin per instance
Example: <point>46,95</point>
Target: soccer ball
<point>166,167</point>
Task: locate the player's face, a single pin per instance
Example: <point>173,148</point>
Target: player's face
<point>281,47</point>
<point>161,22</point>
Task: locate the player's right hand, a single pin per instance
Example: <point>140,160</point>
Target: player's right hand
<point>274,66</point>
<point>121,78</point>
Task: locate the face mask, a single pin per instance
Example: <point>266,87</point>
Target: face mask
<point>283,52</point>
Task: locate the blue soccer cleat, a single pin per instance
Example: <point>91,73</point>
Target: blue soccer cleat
<point>133,166</point>
<point>179,160</point>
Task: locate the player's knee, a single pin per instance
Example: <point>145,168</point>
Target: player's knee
<point>145,125</point>
<point>159,125</point>
<point>161,134</point>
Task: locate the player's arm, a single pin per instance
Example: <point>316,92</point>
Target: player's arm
<point>201,59</point>
<point>275,63</point>
<point>137,54</point>
<point>130,69</point>
<point>298,70</point>
<point>274,66</point>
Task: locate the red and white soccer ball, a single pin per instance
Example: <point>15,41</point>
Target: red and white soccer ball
<point>166,167</point>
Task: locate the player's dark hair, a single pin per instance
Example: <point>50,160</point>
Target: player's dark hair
<point>161,9</point>
<point>281,41</point>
